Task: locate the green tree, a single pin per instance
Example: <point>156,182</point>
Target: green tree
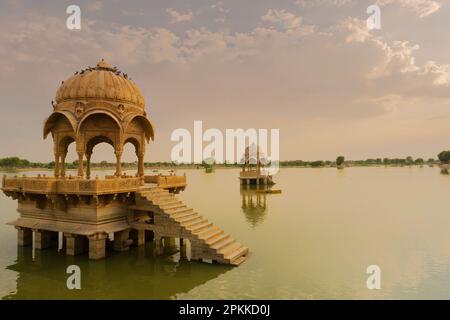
<point>340,160</point>
<point>409,160</point>
<point>444,156</point>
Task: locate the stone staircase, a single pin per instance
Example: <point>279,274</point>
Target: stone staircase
<point>221,246</point>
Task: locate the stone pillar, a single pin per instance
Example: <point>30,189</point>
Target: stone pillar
<point>57,170</point>
<point>63,164</point>
<point>196,251</point>
<point>169,243</point>
<point>158,244</point>
<point>118,163</point>
<point>122,240</point>
<point>80,164</point>
<point>24,237</point>
<point>138,237</point>
<point>97,244</point>
<point>141,165</point>
<point>75,244</point>
<point>88,165</point>
<point>44,239</point>
<point>183,254</point>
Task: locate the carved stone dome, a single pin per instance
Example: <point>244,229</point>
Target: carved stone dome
<point>98,105</point>
<point>101,82</point>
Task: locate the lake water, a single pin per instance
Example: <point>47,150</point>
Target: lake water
<point>313,241</point>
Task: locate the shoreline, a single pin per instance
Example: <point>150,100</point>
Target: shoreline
<point>164,168</point>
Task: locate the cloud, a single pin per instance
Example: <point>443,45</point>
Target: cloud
<point>397,57</point>
<point>95,6</point>
<point>441,73</point>
<point>133,12</point>
<point>311,3</point>
<point>283,18</point>
<point>422,8</point>
<point>177,17</point>
<point>287,21</point>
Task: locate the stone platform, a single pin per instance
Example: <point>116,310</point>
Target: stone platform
<point>89,213</point>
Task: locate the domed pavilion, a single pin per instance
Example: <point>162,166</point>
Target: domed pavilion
<point>96,105</point>
<point>76,213</point>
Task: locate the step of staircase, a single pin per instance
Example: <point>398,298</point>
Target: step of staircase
<point>160,197</point>
<point>188,219</point>
<point>221,245</point>
<point>180,213</point>
<point>238,261</point>
<point>227,250</point>
<point>242,251</point>
<point>212,232</point>
<point>199,228</point>
<point>168,204</point>
<point>194,223</point>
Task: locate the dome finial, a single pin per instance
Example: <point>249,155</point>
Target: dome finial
<point>103,64</point>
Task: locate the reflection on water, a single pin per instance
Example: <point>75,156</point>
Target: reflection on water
<point>137,274</point>
<point>253,204</point>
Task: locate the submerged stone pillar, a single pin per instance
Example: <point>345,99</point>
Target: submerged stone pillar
<point>44,239</point>
<point>138,237</point>
<point>122,240</point>
<point>158,244</point>
<point>24,237</point>
<point>75,244</point>
<point>196,251</point>
<point>169,243</point>
<point>97,245</point>
<point>183,254</point>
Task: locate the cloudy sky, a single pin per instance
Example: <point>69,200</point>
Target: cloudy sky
<point>310,68</point>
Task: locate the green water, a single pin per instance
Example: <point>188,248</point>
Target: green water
<point>313,241</point>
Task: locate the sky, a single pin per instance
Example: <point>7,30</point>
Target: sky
<point>311,69</point>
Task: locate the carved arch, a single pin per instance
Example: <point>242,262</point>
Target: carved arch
<point>53,119</point>
<point>104,112</point>
<point>147,125</point>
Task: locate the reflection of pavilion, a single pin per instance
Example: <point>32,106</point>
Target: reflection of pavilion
<point>254,204</point>
<point>137,274</point>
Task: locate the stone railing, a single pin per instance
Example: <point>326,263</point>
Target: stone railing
<point>166,181</point>
<point>47,185</point>
<point>250,174</point>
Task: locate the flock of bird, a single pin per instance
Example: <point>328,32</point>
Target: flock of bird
<point>116,71</point>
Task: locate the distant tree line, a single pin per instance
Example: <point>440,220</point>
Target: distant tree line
<point>444,157</point>
<point>408,161</point>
